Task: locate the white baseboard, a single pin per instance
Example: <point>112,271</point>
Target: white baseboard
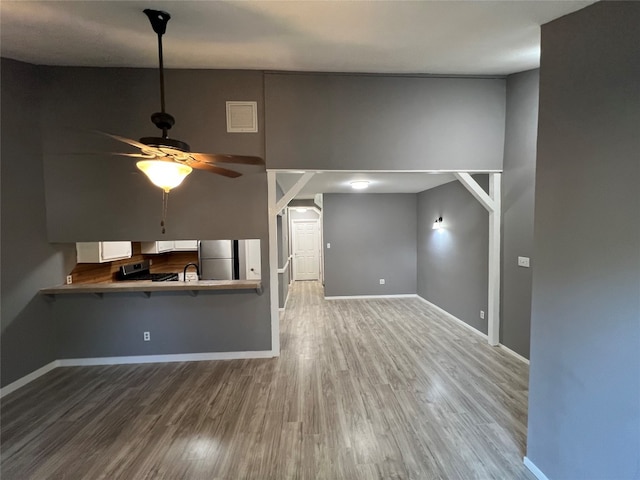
<point>364,297</point>
<point>21,382</point>
<point>515,354</point>
<point>452,317</point>
<point>178,357</point>
<point>533,469</point>
<point>284,307</point>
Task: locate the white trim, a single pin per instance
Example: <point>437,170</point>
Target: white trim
<point>293,222</point>
<point>299,171</point>
<point>308,207</point>
<point>284,268</point>
<point>360,297</point>
<point>515,354</point>
<point>533,469</point>
<point>21,382</point>
<point>284,307</point>
<point>178,357</point>
<point>492,203</point>
<point>452,317</point>
<point>493,297</point>
<point>273,263</point>
<point>293,191</point>
<point>476,190</point>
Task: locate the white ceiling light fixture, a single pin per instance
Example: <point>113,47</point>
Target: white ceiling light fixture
<point>359,184</point>
<point>301,210</point>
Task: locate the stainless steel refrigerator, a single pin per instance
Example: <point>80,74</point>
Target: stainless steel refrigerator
<point>218,259</point>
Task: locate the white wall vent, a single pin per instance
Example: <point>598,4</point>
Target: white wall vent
<point>242,117</point>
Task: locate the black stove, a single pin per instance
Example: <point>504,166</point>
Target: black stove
<point>140,271</point>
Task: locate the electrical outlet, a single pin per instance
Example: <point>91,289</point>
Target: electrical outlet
<point>69,279</point>
<point>523,262</point>
<point>482,314</point>
<point>382,281</point>
<point>146,336</point>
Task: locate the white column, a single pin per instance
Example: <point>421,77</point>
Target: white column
<point>493,307</point>
<point>492,203</point>
<point>273,263</point>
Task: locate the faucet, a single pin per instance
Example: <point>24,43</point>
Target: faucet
<point>184,272</point>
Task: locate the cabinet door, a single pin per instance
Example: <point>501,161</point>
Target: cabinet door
<point>115,250</point>
<point>186,245</point>
<point>165,246</point>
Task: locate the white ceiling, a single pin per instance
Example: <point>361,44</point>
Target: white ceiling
<point>379,182</point>
<point>437,37</point>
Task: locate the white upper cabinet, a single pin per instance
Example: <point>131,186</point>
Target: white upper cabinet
<point>157,247</point>
<point>185,246</point>
<point>100,252</point>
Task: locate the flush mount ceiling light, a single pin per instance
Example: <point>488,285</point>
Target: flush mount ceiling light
<point>301,210</point>
<point>437,225</point>
<point>359,184</point>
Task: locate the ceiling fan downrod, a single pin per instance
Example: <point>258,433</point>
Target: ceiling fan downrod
<point>159,20</point>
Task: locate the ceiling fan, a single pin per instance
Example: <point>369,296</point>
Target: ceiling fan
<point>167,161</point>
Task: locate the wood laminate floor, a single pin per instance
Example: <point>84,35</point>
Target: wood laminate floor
<point>364,389</point>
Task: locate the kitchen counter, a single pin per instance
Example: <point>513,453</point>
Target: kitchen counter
<point>147,287</point>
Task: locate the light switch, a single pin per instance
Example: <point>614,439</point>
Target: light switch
<point>523,262</point>
<point>328,245</point>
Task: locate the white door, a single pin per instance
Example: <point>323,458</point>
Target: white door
<point>253,264</point>
<point>306,260</point>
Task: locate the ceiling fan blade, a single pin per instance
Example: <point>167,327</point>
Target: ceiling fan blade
<point>213,169</point>
<point>129,141</point>
<point>133,155</point>
<point>222,158</point>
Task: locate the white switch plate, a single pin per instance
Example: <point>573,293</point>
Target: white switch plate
<point>328,245</point>
<point>382,281</point>
<point>482,314</point>
<point>523,262</point>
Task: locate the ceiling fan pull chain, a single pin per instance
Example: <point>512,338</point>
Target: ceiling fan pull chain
<point>165,203</point>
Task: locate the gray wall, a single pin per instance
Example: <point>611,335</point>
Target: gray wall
<point>97,197</point>
<point>372,236</point>
<point>584,402</point>
<point>518,184</point>
<point>28,261</point>
<point>453,261</point>
<point>104,198</point>
<point>350,122</point>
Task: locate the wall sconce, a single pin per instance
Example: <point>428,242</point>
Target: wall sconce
<point>437,225</point>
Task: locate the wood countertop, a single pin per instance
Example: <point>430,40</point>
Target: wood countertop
<point>148,286</point>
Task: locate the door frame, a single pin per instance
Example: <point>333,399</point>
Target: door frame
<point>491,202</point>
<point>292,236</point>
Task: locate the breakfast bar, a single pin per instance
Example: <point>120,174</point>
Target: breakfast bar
<point>147,287</point>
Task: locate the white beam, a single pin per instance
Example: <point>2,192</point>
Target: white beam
<point>273,263</point>
<point>293,191</point>
<point>476,190</point>
<point>493,307</point>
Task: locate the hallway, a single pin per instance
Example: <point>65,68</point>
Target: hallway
<point>364,389</point>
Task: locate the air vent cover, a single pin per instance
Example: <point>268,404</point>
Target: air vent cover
<point>242,117</point>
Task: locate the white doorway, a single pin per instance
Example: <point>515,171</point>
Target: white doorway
<point>305,238</point>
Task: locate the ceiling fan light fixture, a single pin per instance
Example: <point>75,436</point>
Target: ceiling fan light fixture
<point>164,174</point>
